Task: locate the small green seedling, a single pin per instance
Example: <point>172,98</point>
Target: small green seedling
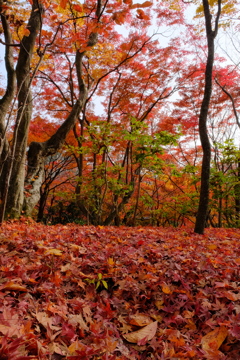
<point>99,281</point>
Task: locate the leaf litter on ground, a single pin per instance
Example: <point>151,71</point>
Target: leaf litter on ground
<point>85,292</point>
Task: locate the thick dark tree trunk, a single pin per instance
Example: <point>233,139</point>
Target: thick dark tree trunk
<point>12,180</point>
<point>206,161</point>
<point>5,104</point>
<point>6,100</point>
<point>38,152</point>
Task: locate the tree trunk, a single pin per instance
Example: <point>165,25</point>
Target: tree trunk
<point>137,197</point>
<point>12,185</point>
<point>237,196</point>
<point>5,104</point>
<point>206,160</point>
<point>38,152</point>
<point>6,100</point>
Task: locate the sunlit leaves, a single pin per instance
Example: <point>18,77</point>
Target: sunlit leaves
<point>228,7</point>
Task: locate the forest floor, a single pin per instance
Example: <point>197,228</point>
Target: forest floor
<point>88,293</point>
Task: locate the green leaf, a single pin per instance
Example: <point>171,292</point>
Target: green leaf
<point>105,284</point>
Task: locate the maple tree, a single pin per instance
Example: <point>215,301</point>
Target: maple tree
<point>34,42</point>
<point>131,163</point>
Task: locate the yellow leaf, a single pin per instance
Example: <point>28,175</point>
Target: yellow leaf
<point>166,289</point>
<point>212,246</point>
<point>53,252</point>
<point>110,261</point>
<point>159,304</point>
<point>199,9</point>
<point>214,339</point>
<point>143,335</point>
<point>13,286</point>
<point>76,345</point>
<point>212,2</point>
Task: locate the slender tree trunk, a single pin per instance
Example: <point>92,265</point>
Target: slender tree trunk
<point>42,204</point>
<point>206,160</point>
<point>220,208</point>
<point>237,196</point>
<point>137,198</point>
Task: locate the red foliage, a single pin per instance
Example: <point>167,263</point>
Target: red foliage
<point>71,292</point>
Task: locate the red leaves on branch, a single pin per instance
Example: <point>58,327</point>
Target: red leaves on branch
<point>70,292</point>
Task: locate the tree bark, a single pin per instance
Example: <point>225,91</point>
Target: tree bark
<point>38,152</point>
<point>206,146</point>
<point>6,100</point>
<point>5,104</point>
<point>12,184</point>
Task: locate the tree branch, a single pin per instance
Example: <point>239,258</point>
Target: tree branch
<point>232,101</point>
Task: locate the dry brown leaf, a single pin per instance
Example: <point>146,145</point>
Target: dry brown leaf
<point>143,335</point>
<point>214,339</point>
<point>8,330</point>
<point>230,295</point>
<point>78,320</point>
<point>140,320</point>
<point>81,249</point>
<point>46,321</point>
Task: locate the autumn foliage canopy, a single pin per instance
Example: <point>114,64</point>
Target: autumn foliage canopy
<point>100,109</point>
